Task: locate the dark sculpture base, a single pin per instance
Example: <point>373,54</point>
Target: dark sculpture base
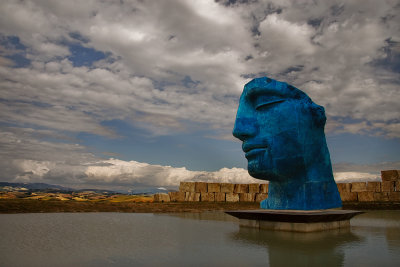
<point>295,220</point>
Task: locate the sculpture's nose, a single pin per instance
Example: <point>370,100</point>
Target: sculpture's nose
<point>244,128</point>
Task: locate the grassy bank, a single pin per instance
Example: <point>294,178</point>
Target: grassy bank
<point>36,206</point>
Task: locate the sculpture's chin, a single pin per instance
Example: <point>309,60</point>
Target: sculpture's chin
<point>260,165</point>
<point>262,175</point>
<point>256,175</point>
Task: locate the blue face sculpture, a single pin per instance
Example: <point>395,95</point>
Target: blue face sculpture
<point>282,132</point>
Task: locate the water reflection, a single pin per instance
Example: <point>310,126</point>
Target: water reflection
<point>207,216</point>
<point>378,219</point>
<point>300,249</point>
<point>186,239</point>
<point>393,237</point>
<point>372,240</point>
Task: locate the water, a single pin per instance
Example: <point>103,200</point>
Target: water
<point>190,239</point>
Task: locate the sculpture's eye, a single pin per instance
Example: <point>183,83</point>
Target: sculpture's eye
<point>268,104</point>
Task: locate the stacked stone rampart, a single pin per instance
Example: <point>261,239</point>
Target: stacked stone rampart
<point>215,192</point>
<point>388,190</point>
<point>219,192</point>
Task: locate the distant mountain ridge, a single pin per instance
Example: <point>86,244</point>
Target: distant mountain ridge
<point>51,187</point>
<point>35,186</point>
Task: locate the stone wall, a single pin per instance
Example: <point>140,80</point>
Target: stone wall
<point>386,190</point>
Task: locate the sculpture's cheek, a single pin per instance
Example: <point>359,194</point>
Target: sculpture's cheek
<point>287,144</point>
<point>290,167</point>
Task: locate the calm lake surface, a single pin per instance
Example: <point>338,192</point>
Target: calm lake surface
<point>190,239</point>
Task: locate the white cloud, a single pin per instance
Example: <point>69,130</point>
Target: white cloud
<point>167,41</point>
<point>374,169</point>
<point>55,117</point>
<point>114,171</point>
<point>284,42</point>
<point>347,177</point>
<point>337,52</point>
<point>334,47</point>
<point>26,158</point>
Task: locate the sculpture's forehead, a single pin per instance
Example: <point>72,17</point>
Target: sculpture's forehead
<point>267,86</point>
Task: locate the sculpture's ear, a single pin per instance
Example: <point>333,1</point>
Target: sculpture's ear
<point>318,113</point>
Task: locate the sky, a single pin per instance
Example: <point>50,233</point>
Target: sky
<point>136,94</point>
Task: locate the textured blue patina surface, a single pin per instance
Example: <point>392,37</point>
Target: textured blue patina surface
<point>283,137</point>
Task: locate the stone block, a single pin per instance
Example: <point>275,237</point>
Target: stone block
<point>264,188</point>
<point>390,175</point>
<point>348,196</point>
<point>227,188</point>
<point>207,197</point>
<point>260,197</point>
<point>220,197</point>
<point>344,187</point>
<point>241,188</point>
<point>394,196</point>
<point>365,196</point>
<point>187,187</point>
<point>374,187</point>
<point>388,186</point>
<point>200,187</point>
<point>192,197</point>
<point>397,186</point>
<point>161,197</point>
<point>232,197</point>
<point>381,196</point>
<point>246,197</point>
<point>213,187</point>
<point>177,196</point>
<point>254,188</point>
<point>358,187</point>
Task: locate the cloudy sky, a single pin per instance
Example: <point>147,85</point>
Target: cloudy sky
<point>130,94</point>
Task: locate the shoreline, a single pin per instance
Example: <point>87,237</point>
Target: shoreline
<point>14,206</point>
<point>371,205</point>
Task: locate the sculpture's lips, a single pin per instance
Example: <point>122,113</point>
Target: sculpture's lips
<point>252,150</point>
<point>248,147</point>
